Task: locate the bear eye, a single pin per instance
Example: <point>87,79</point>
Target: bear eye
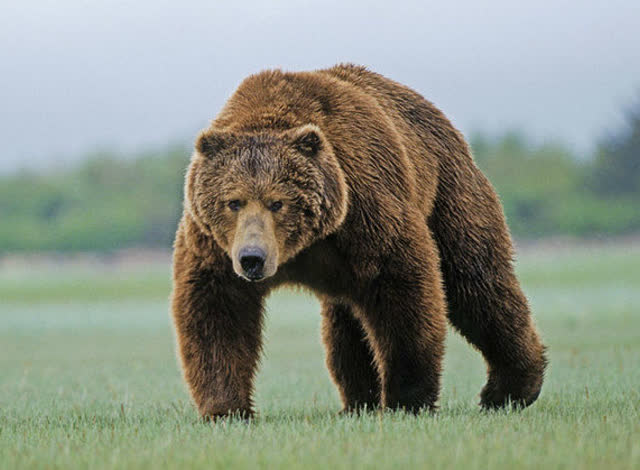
<point>275,206</point>
<point>234,205</point>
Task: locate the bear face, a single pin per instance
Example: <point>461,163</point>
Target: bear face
<point>265,196</point>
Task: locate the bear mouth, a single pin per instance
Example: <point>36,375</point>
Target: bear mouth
<point>252,277</point>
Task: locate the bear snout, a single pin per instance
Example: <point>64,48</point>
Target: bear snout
<point>252,259</point>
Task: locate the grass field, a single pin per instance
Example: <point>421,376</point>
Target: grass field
<point>88,379</point>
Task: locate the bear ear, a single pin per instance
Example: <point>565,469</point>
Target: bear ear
<point>307,140</point>
<point>211,142</point>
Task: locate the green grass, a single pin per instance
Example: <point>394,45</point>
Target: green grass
<point>89,379</point>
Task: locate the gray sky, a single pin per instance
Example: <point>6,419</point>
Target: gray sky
<point>77,75</point>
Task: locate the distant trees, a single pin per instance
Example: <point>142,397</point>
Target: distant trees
<point>547,191</point>
<point>107,202</point>
<point>616,169</point>
<point>532,181</point>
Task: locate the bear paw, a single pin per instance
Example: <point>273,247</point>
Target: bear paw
<point>518,390</point>
<point>213,410</point>
<point>357,409</point>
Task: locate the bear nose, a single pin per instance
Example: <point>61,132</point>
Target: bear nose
<point>252,261</point>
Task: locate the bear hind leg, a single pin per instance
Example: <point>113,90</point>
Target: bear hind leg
<point>485,301</point>
<point>349,357</point>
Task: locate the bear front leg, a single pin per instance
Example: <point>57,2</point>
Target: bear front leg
<point>405,319</point>
<point>218,321</point>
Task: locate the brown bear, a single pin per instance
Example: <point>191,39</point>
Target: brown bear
<point>356,187</point>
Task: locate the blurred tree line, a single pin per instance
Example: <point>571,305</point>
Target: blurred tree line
<point>107,203</point>
<point>104,203</point>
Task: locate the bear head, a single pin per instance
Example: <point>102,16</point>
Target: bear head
<point>265,196</point>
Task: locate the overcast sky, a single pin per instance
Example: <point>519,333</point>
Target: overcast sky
<point>77,75</point>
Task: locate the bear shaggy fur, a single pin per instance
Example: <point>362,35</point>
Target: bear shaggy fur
<point>357,188</point>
